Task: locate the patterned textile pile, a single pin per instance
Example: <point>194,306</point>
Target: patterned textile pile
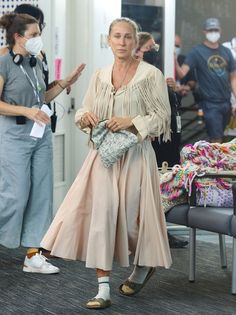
<point>198,158</point>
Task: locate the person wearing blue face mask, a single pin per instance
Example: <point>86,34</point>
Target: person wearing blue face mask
<point>178,43</point>
<point>216,76</point>
<point>25,160</point>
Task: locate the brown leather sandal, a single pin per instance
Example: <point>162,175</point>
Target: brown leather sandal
<point>129,288</point>
<point>98,303</point>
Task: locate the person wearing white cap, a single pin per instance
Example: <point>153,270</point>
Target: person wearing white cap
<point>216,74</point>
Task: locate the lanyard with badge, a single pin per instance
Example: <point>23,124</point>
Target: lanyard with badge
<point>38,129</point>
<point>177,116</point>
<point>36,88</point>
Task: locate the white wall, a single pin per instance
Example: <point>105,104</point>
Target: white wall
<point>56,45</point>
<point>46,7</point>
<point>169,37</point>
<point>104,12</point>
<point>91,20</point>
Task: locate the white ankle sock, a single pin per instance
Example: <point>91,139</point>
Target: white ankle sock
<point>103,288</point>
<point>139,274</point>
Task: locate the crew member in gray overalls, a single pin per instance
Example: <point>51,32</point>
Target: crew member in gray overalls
<point>26,179</point>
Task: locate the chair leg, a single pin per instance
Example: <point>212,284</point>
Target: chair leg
<point>234,267</point>
<point>223,257</point>
<point>192,254</point>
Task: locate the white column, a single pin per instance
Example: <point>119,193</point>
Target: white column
<point>104,12</point>
<point>91,19</point>
<point>169,35</point>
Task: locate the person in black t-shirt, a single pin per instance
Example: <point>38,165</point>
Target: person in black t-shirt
<point>216,75</point>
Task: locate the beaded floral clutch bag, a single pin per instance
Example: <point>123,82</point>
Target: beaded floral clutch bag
<point>111,145</point>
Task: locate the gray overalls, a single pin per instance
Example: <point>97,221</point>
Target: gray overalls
<point>26,177</point>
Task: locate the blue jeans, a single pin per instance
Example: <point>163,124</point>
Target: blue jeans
<point>216,116</point>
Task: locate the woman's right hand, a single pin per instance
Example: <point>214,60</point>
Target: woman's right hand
<point>88,119</point>
<point>37,115</point>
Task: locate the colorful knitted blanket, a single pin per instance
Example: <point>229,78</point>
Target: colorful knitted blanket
<point>197,159</point>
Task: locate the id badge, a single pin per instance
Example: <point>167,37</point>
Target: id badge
<point>178,123</point>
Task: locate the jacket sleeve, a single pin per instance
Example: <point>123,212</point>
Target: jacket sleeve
<point>88,101</point>
<point>154,95</point>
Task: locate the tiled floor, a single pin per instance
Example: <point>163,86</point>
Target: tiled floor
<point>167,293</point>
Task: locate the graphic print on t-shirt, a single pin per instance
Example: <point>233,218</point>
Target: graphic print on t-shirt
<point>217,64</point>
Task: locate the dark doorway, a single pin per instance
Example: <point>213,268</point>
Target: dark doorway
<point>149,19</point>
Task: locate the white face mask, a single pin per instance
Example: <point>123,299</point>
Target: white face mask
<point>34,45</point>
<point>213,37</point>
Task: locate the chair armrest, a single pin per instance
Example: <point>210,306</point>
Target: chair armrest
<point>230,174</point>
<point>234,197</point>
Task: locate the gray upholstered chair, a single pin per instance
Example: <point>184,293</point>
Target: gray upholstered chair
<point>213,219</point>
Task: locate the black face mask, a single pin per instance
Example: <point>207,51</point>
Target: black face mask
<point>151,56</point>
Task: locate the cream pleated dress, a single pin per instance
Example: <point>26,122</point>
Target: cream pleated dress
<point>109,213</point>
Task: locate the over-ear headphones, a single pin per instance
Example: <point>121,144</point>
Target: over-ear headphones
<point>18,58</point>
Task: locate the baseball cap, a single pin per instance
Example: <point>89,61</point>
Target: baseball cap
<point>211,24</point>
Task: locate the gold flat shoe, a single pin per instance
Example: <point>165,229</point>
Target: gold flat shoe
<point>98,303</point>
<point>130,288</point>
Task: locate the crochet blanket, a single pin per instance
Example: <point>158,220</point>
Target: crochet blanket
<point>197,159</point>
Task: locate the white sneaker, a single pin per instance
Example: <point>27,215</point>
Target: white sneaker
<point>38,263</point>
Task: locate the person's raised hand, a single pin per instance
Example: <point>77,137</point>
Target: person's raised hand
<point>72,77</point>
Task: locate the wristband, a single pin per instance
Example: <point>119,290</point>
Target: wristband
<point>60,85</point>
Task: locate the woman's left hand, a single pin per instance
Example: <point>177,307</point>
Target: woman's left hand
<point>119,123</point>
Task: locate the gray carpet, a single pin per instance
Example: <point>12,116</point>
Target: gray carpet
<point>168,291</point>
